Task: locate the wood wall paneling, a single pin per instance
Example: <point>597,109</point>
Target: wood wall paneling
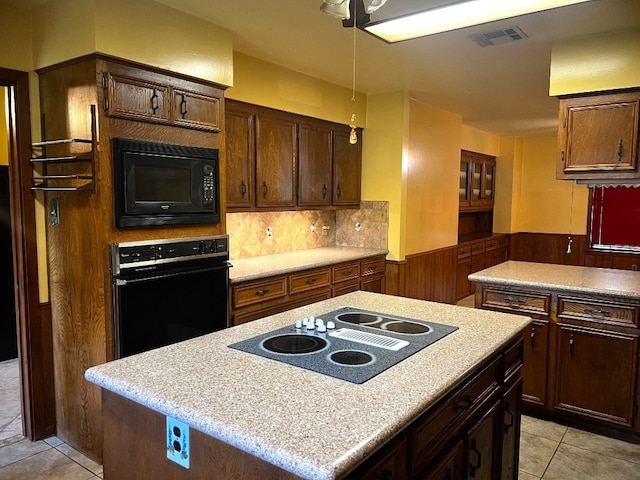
<point>432,275</point>
<point>547,248</point>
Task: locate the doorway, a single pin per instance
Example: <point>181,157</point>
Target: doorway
<point>33,325</point>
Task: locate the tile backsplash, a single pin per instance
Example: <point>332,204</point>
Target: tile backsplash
<point>253,234</point>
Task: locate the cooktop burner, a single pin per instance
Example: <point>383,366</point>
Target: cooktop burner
<point>350,344</point>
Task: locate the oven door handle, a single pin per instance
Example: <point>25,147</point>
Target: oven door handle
<point>125,281</point>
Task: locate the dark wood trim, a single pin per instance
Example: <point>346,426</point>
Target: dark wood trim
<point>34,325</point>
<point>432,275</point>
<point>547,248</point>
<point>394,273</point>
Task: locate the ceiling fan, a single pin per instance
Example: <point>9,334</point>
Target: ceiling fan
<point>347,10</point>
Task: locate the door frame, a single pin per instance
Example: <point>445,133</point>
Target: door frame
<point>35,340</point>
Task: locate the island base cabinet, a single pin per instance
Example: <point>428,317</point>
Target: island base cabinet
<point>449,468</point>
<point>610,358</point>
<point>480,448</point>
<point>135,449</point>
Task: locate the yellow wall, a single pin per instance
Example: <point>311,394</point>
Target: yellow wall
<point>15,37</point>
<point>479,141</point>
<point>602,62</point>
<point>382,162</point>
<point>263,83</point>
<point>139,30</point>
<point>4,127</point>
<point>542,203</point>
<point>432,176</point>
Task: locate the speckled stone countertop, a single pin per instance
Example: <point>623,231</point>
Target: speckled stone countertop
<point>307,423</point>
<point>602,281</point>
<point>268,265</point>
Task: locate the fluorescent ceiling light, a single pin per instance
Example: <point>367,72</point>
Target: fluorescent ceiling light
<point>458,15</point>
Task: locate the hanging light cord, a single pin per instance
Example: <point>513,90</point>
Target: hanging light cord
<point>353,85</point>
<point>570,240</point>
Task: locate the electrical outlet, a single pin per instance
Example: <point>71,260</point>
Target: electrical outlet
<point>325,229</point>
<point>178,442</point>
<point>634,267</point>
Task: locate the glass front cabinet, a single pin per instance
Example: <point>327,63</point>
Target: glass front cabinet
<point>477,181</point>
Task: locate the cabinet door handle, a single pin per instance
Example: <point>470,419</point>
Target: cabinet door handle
<point>339,191</point>
<point>533,337</point>
<point>387,475</point>
<point>473,468</point>
<point>464,404</point>
<point>620,150</point>
<point>324,190</point>
<point>264,189</point>
<point>262,293</point>
<point>562,156</point>
<point>183,106</point>
<point>244,189</point>
<point>154,101</point>
<point>512,418</point>
<point>571,342</point>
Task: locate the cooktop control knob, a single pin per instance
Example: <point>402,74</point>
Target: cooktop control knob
<point>322,328</point>
<point>319,322</point>
<point>331,325</point>
<point>298,323</point>
<point>310,325</point>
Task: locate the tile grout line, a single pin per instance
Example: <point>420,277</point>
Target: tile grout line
<point>72,459</point>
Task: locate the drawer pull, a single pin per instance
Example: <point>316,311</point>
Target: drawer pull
<point>510,423</point>
<point>473,468</point>
<point>262,293</point>
<point>464,404</point>
<point>154,102</point>
<point>347,273</point>
<point>311,281</point>
<point>597,313</point>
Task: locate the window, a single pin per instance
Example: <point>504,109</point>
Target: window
<point>614,218</point>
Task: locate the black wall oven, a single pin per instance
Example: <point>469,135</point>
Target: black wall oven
<point>167,291</point>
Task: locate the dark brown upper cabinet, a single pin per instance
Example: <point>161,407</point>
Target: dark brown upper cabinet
<point>598,136</point>
<point>136,96</point>
<point>347,167</point>
<point>240,148</point>
<point>283,161</point>
<point>477,181</point>
<point>276,152</point>
<point>314,164</point>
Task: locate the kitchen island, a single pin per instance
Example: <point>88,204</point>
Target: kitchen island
<point>253,417</point>
<point>581,351</point>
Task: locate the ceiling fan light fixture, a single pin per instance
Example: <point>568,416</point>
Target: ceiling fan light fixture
<point>458,15</point>
<point>336,8</point>
<point>371,6</point>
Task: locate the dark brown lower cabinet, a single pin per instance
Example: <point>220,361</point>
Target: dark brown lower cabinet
<point>607,391</point>
<point>471,434</point>
<point>479,446</point>
<point>534,368</point>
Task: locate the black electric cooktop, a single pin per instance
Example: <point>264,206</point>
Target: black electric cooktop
<point>350,343</point>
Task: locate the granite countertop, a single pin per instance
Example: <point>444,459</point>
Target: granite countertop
<point>603,281</point>
<point>310,424</point>
<point>268,265</point>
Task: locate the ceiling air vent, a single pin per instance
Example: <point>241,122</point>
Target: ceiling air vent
<point>498,37</point>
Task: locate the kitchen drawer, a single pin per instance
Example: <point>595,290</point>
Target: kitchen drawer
<point>436,427</point>
<point>464,251</point>
<point>491,244</point>
<point>502,242</point>
<point>507,300</point>
<point>256,292</point>
<point>589,310</point>
<point>345,287</point>
<point>300,282</point>
<point>254,314</point>
<point>372,267</point>
<point>346,271</point>
<point>477,248</point>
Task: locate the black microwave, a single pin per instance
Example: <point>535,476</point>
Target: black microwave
<point>164,184</point>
